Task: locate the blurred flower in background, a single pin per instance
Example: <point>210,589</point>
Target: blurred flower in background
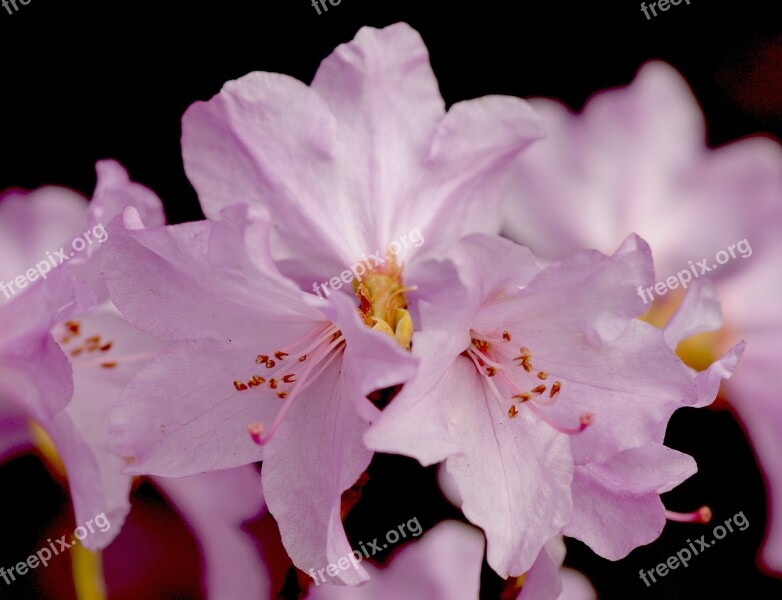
<point>65,336</point>
<point>635,160</point>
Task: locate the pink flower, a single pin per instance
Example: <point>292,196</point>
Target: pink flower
<point>104,352</point>
<point>635,160</point>
<point>251,351</point>
<point>349,171</point>
<point>444,564</point>
<point>36,382</point>
<point>547,399</point>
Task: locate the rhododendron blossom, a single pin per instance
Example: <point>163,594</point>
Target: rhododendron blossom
<point>635,160</point>
<point>262,368</point>
<point>547,399</point>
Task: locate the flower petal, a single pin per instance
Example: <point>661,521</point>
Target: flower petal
<point>529,501</point>
<point>205,279</point>
<point>315,455</point>
<point>542,581</point>
<point>181,415</point>
<point>33,223</point>
<point>232,564</point>
<point>444,564</point>
<point>699,311</point>
<point>616,504</point>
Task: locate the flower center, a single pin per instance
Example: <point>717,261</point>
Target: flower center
<point>383,305</point>
<point>286,372</point>
<point>514,381</point>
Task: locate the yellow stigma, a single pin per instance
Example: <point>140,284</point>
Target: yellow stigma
<point>383,303</point>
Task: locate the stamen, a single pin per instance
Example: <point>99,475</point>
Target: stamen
<point>482,346</point>
<point>310,373</point>
<point>490,381</point>
<point>702,516</point>
<point>124,358</point>
<point>585,421</point>
<point>255,429</point>
<point>92,351</point>
<point>256,381</point>
<point>492,358</point>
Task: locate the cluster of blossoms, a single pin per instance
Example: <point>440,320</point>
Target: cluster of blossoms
<point>188,353</point>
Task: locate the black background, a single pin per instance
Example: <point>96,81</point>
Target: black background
<point>81,81</point>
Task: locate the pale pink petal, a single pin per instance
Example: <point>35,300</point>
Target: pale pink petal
<point>542,581</point>
<point>181,415</point>
<point>114,191</point>
<point>445,564</point>
<point>416,422</point>
<point>699,311</point>
<point>616,504</point>
<point>315,455</point>
<point>576,318</point>
<point>96,390</point>
<point>371,135</point>
<point>91,495</point>
<point>34,372</point>
<point>530,502</point>
<point>205,279</point>
<point>215,505</point>
<point>35,223</point>
<point>575,586</point>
